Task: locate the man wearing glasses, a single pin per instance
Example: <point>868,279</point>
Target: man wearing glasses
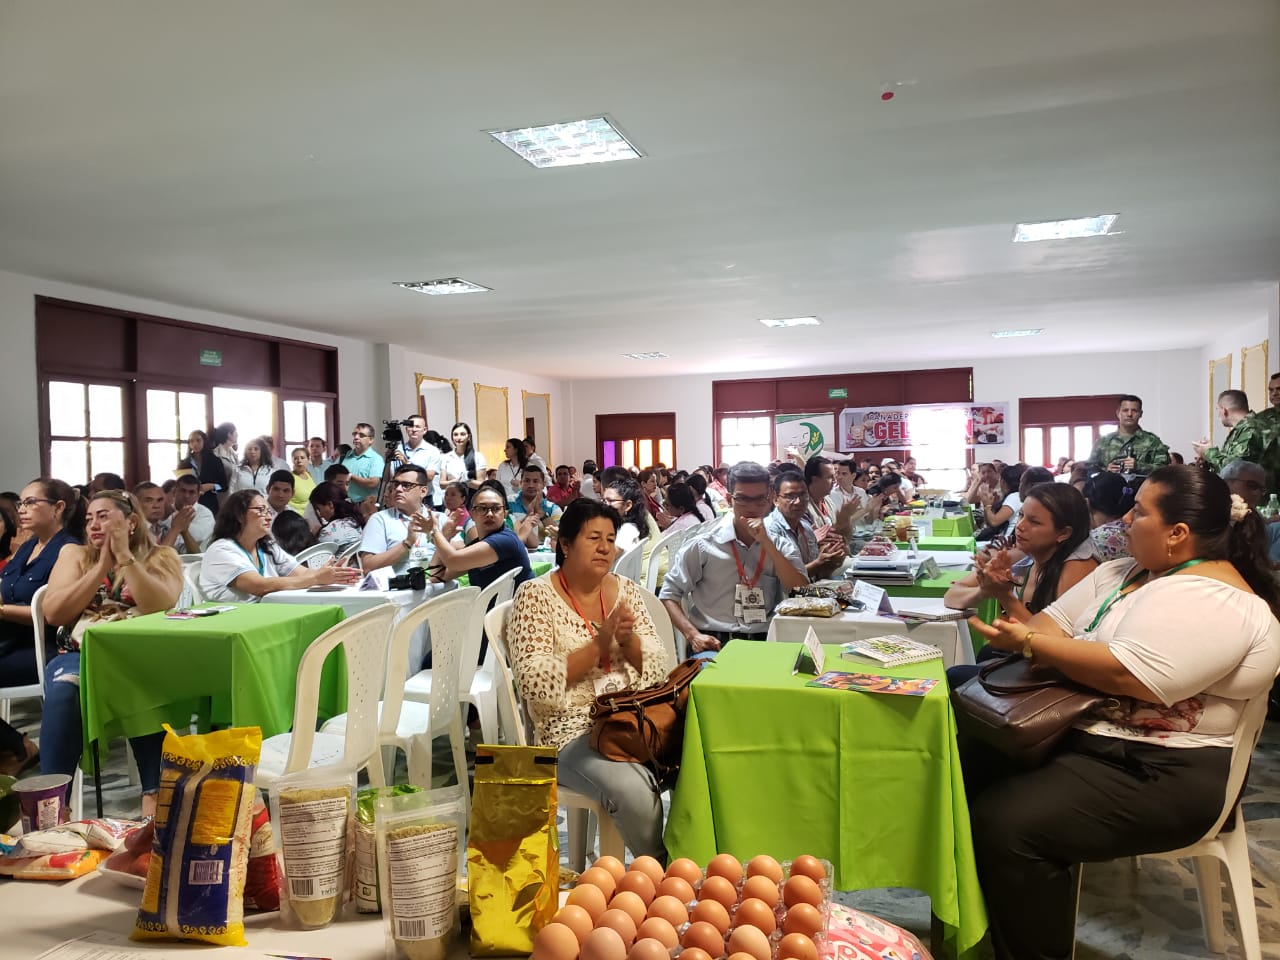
<point>388,540</point>
<point>733,576</point>
<point>364,463</point>
<point>414,450</point>
<point>788,525</point>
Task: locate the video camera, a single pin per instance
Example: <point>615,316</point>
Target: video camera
<point>392,430</point>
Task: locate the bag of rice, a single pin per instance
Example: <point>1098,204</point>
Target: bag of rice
<point>314,814</point>
<point>195,880</point>
<point>420,854</point>
<point>365,872</point>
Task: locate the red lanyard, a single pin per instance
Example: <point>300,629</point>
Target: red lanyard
<point>742,573</point>
<point>591,628</point>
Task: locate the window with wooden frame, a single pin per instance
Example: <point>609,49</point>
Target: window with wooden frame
<point>1056,427</point>
<point>86,423</point>
<point>635,440</point>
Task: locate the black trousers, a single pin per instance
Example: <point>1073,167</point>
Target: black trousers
<point>1099,799</point>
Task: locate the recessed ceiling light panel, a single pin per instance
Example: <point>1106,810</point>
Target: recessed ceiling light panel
<point>1065,229</point>
<point>439,288</point>
<point>655,355</point>
<point>791,322</point>
<point>569,144</point>
<point>1018,333</point>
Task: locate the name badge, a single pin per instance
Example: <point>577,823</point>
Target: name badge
<point>748,604</point>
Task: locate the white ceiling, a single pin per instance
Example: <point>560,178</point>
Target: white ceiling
<point>289,160</point>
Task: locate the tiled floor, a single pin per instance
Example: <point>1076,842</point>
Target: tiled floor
<point>1151,913</point>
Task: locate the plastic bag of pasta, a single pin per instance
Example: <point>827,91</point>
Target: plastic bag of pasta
<point>314,814</point>
<point>419,839</point>
<point>200,854</point>
<point>513,864</point>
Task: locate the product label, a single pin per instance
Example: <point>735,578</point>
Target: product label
<point>422,864</point>
<point>313,835</point>
<point>48,811</point>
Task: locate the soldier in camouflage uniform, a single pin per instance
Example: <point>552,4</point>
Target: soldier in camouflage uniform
<point>1268,421</point>
<point>1247,439</point>
<point>1130,449</point>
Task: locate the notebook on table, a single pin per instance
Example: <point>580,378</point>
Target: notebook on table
<point>889,651</point>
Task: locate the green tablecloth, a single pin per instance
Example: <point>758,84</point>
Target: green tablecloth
<point>953,526</point>
<point>935,588</point>
<point>871,782</point>
<point>964,544</point>
<point>539,568</point>
<point>136,675</point>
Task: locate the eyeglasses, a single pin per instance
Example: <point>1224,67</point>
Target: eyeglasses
<point>487,508</point>
<point>361,436</point>
<point>32,501</point>
<point>793,497</point>
<point>403,484</point>
<point>750,501</point>
<point>616,504</point>
<point>262,511</point>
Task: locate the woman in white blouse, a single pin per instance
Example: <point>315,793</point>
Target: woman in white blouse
<point>511,470</point>
<point>464,464</point>
<point>1182,635</point>
<point>255,469</point>
<point>576,632</point>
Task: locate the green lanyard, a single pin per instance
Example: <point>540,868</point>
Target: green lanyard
<point>1118,592</point>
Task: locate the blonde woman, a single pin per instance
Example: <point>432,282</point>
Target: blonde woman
<point>118,573</point>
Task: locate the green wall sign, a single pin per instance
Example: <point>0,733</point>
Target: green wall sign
<point>210,358</point>
<point>837,393</point>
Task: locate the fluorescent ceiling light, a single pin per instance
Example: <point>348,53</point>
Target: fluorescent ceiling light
<point>1065,229</point>
<point>568,144</point>
<point>1018,333</point>
<point>438,288</point>
<point>792,322</point>
<point>656,355</point>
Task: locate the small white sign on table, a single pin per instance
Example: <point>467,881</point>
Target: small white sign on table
<point>811,658</point>
<point>873,599</point>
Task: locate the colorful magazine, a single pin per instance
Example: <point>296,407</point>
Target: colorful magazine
<point>873,683</point>
<point>890,651</point>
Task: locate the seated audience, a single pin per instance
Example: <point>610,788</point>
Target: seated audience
<point>562,492</point>
<point>105,481</point>
<point>152,499</point>
<point>983,480</point>
<point>576,632</point>
<point>1147,773</point>
<point>998,511</point>
<point>8,533</point>
<point>390,537</point>
<point>540,513</point>
<point>340,477</point>
<point>1031,477</point>
<point>653,498</point>
<point>532,456</point>
<point>455,509</point>
<point>733,575</point>
<point>682,504</point>
<point>496,548</point>
<point>243,564</point>
<point>1248,481</point>
<point>292,532</point>
<point>254,471</point>
<point>706,506</point>
<point>511,470</point>
<point>207,468</point>
<point>789,524</point>
<point>587,485</point>
<point>189,529</point>
<point>340,523</point>
<point>303,483</point>
<point>279,492</point>
<point>119,572</point>
<point>1110,497</point>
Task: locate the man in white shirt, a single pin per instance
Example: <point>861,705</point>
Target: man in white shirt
<point>845,488</point>
<point>391,538</point>
<point>279,492</point>
<point>191,527</point>
<point>414,450</point>
<point>318,454</point>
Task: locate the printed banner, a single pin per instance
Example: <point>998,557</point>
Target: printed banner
<point>916,425</point>
<point>809,433</point>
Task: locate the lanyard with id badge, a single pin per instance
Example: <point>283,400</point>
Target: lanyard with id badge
<point>612,681</point>
<point>748,597</point>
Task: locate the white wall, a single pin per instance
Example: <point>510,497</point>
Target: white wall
<point>1167,381</point>
<point>402,364</point>
<point>1229,341</point>
<point>358,371</point>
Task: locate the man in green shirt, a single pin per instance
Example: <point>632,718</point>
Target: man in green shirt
<point>1269,419</point>
<point>1130,450</point>
<point>1246,439</point>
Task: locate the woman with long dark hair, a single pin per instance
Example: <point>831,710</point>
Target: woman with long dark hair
<point>511,470</point>
<point>207,468</point>
<point>1182,636</point>
<point>464,463</point>
<point>340,521</point>
<point>254,472</point>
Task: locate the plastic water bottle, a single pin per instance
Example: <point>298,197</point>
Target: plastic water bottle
<point>1272,508</point>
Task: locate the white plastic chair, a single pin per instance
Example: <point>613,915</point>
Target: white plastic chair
<point>628,562</point>
<point>1228,846</point>
<point>672,642</point>
<point>191,560</point>
<point>346,553</point>
<point>28,691</point>
<point>669,544</point>
<point>410,725</point>
<point>475,685</point>
<point>363,639</point>
<point>318,554</point>
<point>582,814</point>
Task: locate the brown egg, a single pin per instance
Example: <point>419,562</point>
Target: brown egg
<point>763,866</point>
<point>676,887</point>
<point>630,904</point>
<point>713,912</point>
<point>695,953</point>
<point>686,870</point>
<point>752,940</point>
<point>655,928</point>
<point>803,918</point>
<point>650,867</point>
<point>741,956</point>
<point>669,909</point>
<point>807,866</point>
<point>801,890</point>
<point>758,914</point>
<point>704,936</point>
<point>555,941</point>
<point>599,877</point>
<point>638,883</point>
<point>620,921</point>
<point>796,946</point>
<point>603,943</point>
<point>613,865</point>
<point>576,919</point>
<point>590,898</point>
<point>649,949</point>
<point>718,888</point>
<point>761,887</point>
<point>725,865</point>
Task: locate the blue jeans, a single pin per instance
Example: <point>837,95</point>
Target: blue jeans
<point>61,730</point>
<point>627,790</point>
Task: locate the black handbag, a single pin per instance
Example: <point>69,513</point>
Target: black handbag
<point>1021,709</point>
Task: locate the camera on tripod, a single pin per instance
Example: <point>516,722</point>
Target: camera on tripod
<point>391,430</point>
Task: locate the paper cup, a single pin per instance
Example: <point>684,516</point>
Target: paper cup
<point>42,800</point>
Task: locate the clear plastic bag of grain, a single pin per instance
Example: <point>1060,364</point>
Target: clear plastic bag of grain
<point>364,879</point>
<point>314,814</point>
<point>420,841</point>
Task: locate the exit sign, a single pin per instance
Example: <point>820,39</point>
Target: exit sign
<point>837,393</point>
<point>210,358</point>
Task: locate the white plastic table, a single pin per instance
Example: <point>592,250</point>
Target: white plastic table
<point>951,637</point>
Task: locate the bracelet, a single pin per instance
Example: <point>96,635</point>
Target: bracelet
<point>127,563</point>
<point>1027,652</point>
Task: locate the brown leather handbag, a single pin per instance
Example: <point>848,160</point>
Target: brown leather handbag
<point>646,726</point>
<point>1020,709</point>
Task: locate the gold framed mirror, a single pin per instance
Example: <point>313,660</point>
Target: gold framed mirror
<point>1219,380</point>
<point>1253,376</point>
<point>493,423</point>
<point>438,402</point>
<point>536,408</point>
